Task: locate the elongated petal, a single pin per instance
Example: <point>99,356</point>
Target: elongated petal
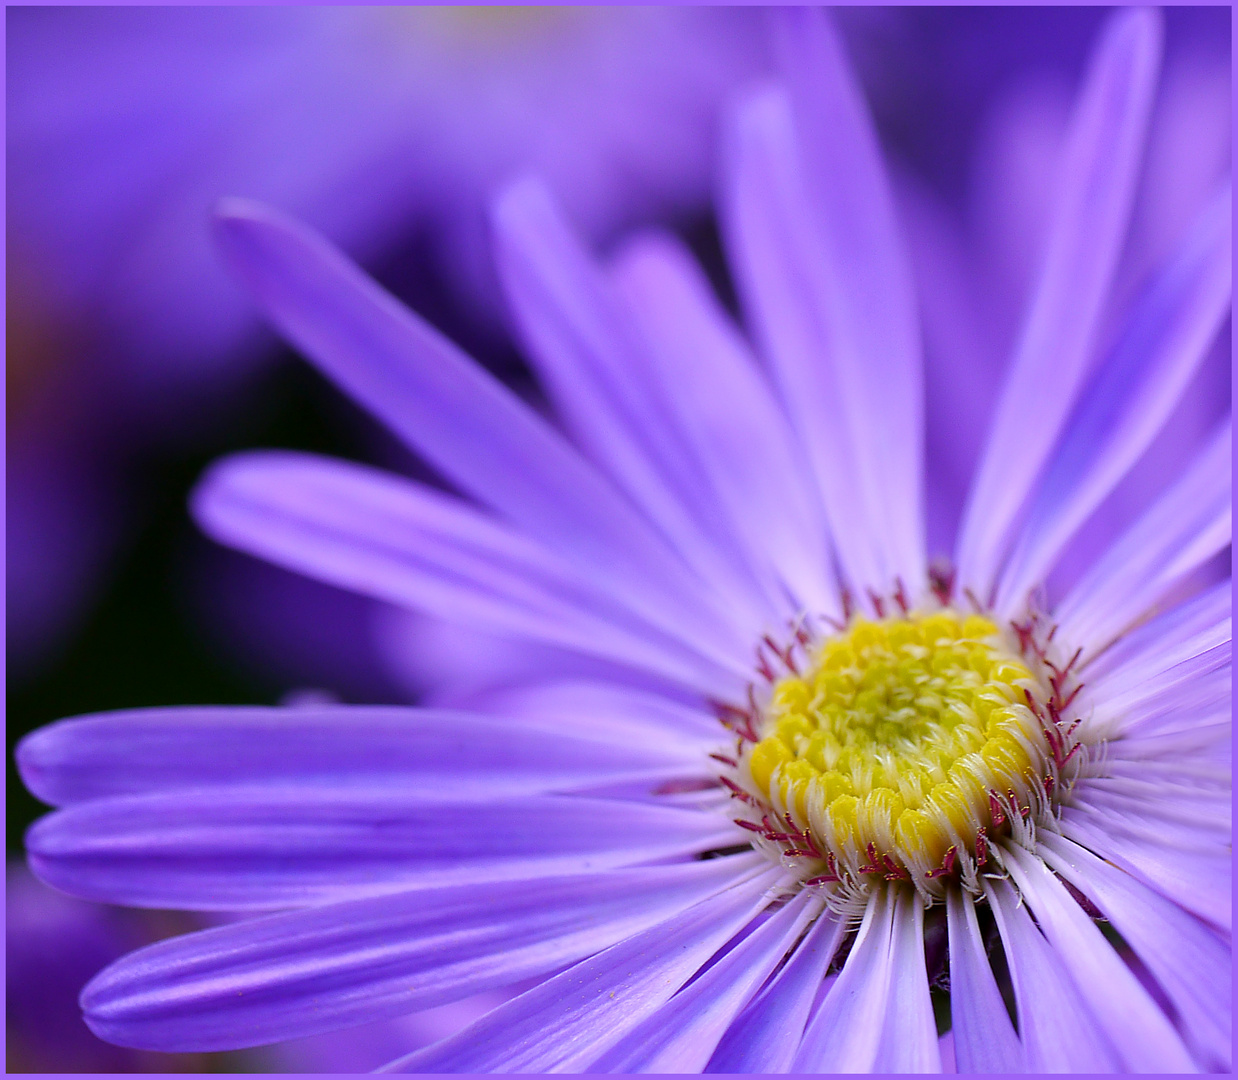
<point>865,297</point>
<point>1190,685</point>
<point>1195,828</point>
<point>873,997</point>
<point>1190,963</point>
<point>1184,768</point>
<point>808,258</point>
<point>720,401</point>
<point>607,710</point>
<point>1198,883</point>
<point>984,1039</point>
<point>289,975</point>
<point>1189,523</point>
<point>252,848</point>
<point>1056,1029</point>
<point>124,753</point>
<point>1100,169</point>
<point>1130,398</point>
<point>764,209</point>
<point>765,1037</point>
<point>606,388</point>
<point>963,362</point>
<point>1203,808</point>
<point>681,1036</point>
<point>448,664</point>
<point>1141,1033</point>
<point>568,1020</point>
<point>382,535</point>
<point>1210,611</point>
<point>909,1038</point>
<point>465,422</point>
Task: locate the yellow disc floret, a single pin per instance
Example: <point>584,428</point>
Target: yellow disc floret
<point>902,749</point>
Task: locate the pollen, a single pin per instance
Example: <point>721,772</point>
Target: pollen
<point>905,747</point>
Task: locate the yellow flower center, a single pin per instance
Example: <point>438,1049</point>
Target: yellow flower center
<point>904,747</point>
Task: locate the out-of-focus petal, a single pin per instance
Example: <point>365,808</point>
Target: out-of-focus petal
<point>466,423</point>
<point>810,220</point>
<point>387,537</point>
<point>1198,880</point>
<point>1102,158</point>
<point>722,404</point>
<point>865,295</point>
<point>596,370</point>
<point>1165,639</point>
<point>963,361</point>
<point>608,710</point>
<point>1193,810</point>
<point>1164,695</point>
<point>446,663</point>
<point>763,210</point>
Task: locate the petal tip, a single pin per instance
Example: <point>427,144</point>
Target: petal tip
<point>234,219</point>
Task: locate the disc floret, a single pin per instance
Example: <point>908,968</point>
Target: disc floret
<point>902,748</point>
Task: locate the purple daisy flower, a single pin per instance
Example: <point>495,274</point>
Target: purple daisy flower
<point>923,774</point>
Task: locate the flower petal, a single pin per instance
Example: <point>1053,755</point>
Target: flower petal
<point>1141,1033</point>
<point>909,1040</point>
<point>963,362</point>
<point>1199,883</point>
<point>474,430</point>
<point>1178,696</point>
<point>384,536</point>
<point>1162,636</point>
<point>984,1038</point>
<point>129,752</point>
<point>605,387</point>
<point>607,710</point>
<point>1130,397</point>
<point>290,975</point>
<point>1188,524</point>
<point>448,664</point>
<point>864,296</point>
<point>766,1035</point>
<point>1101,166</point>
<point>721,403</point>
<point>1190,963</point>
<point>1205,811</point>
<point>681,1036</point>
<point>567,1021</point>
<point>1056,1029</point>
<point>1204,748</point>
<point>805,271</point>
<point>240,848</point>
<point>877,1016</point>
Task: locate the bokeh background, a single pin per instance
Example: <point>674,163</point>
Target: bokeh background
<point>133,361</point>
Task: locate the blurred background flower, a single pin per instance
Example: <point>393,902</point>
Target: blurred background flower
<point>133,359</point>
<point>53,944</point>
<point>387,127</point>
